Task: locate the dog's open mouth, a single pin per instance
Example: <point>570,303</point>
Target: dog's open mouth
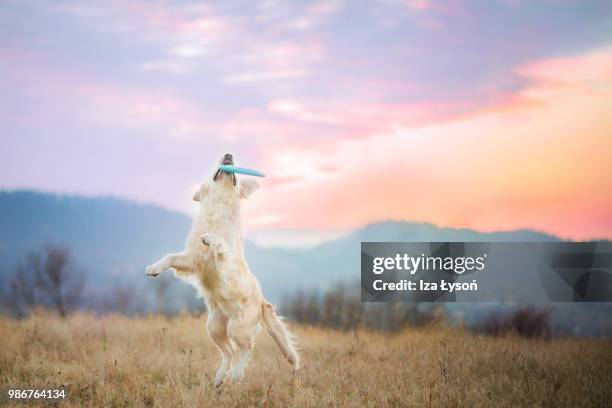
<point>227,160</point>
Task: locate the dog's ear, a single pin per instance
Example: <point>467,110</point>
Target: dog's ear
<point>247,187</point>
<point>200,193</point>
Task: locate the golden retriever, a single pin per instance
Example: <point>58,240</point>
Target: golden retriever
<point>214,263</point>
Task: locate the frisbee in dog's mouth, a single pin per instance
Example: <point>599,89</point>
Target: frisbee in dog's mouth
<point>228,168</point>
<point>227,160</point>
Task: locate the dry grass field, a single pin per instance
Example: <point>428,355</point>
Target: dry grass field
<point>160,362</point>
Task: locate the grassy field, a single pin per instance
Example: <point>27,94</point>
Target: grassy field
<point>155,361</point>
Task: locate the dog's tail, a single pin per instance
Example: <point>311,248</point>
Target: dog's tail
<point>284,339</point>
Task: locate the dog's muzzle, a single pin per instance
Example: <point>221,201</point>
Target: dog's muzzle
<point>227,159</point>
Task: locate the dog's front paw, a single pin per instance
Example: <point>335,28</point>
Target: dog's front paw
<point>153,270</point>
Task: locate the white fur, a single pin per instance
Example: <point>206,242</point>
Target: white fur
<point>214,263</point>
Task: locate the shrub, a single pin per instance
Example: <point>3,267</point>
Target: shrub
<point>527,322</point>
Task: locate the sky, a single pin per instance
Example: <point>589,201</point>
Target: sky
<point>492,115</point>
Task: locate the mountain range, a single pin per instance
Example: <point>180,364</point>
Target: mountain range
<point>112,240</point>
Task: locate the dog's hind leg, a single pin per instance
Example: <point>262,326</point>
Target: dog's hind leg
<point>217,329</point>
<point>242,332</point>
<point>245,343</point>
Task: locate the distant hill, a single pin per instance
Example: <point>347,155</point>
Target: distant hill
<point>109,237</point>
<point>339,260</point>
<point>112,241</point>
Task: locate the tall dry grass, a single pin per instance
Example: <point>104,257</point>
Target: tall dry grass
<point>155,361</point>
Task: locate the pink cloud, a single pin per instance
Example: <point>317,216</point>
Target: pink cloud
<point>356,120</point>
<point>144,110</point>
<point>75,97</point>
<point>419,4</point>
<point>256,52</point>
<point>589,68</point>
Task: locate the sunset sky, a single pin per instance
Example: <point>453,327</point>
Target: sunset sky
<point>492,115</point>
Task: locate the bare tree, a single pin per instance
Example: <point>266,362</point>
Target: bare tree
<point>47,278</point>
<point>55,283</point>
<point>59,284</point>
<point>22,287</point>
